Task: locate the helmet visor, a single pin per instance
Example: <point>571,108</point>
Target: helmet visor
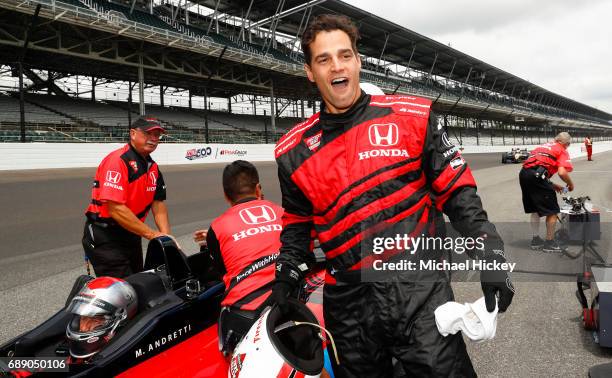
<point>90,306</point>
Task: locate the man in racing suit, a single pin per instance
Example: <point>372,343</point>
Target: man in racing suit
<point>243,244</point>
<point>365,163</point>
<point>539,198</point>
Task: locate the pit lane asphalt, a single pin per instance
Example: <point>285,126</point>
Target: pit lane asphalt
<point>40,256</point>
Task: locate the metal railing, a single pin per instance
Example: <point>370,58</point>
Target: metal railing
<point>108,21</point>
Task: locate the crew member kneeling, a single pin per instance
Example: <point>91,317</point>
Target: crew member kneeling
<point>539,198</point>
<point>243,244</point>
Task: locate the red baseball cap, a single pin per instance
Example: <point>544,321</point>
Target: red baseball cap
<point>147,124</point>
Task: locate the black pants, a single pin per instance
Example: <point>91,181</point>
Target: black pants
<point>376,321</point>
<point>112,250</point>
<point>538,195</point>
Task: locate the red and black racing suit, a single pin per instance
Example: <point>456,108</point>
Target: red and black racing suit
<point>384,161</point>
<point>125,177</point>
<point>244,243</point>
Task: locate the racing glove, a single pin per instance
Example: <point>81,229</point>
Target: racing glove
<point>287,281</point>
<point>496,284</point>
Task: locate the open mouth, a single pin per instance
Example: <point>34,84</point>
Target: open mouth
<point>340,82</point>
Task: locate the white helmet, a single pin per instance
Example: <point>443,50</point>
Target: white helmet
<point>371,89</point>
<point>102,305</point>
<point>280,345</point>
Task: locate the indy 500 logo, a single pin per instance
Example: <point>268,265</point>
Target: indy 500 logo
<point>198,153</point>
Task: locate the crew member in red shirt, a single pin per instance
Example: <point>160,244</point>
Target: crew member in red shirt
<point>539,197</point>
<point>243,243</point>
<point>127,185</point>
<point>588,143</point>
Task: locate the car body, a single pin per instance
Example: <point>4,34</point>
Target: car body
<point>174,333</point>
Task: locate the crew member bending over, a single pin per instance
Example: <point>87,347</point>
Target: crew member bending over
<point>539,197</point>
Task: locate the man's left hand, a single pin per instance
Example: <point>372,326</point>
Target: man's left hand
<point>496,284</point>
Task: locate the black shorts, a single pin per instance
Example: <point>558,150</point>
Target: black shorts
<point>113,251</point>
<point>538,194</point>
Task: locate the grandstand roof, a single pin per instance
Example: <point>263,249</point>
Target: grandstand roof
<point>76,39</point>
<point>405,46</point>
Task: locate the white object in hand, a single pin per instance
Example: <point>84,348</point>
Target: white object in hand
<point>472,319</point>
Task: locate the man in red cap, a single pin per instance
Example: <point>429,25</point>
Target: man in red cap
<point>127,185</point>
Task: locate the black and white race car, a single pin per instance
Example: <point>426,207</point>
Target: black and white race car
<point>516,155</point>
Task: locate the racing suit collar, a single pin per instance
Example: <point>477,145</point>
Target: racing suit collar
<point>358,107</point>
<point>147,161</point>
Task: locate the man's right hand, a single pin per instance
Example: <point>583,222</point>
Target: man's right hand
<point>287,280</point>
<point>280,293</point>
<point>570,186</point>
<point>558,188</point>
<point>154,234</point>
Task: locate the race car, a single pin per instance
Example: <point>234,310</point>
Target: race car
<point>174,332</point>
<point>516,155</point>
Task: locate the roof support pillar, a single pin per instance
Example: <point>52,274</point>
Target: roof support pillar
<point>141,85</point>
<point>382,52</point>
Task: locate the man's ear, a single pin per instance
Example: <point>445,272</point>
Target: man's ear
<point>309,72</point>
<point>258,191</point>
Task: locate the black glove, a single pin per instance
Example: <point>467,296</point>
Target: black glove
<point>495,283</point>
<point>280,293</point>
<point>287,280</point>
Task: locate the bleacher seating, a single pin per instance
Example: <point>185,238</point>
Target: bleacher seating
<point>76,3</point>
<point>136,15</point>
<point>9,112</point>
<point>383,77</point>
<point>52,118</point>
<point>199,28</point>
<point>84,110</point>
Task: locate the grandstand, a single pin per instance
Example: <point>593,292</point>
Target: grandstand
<point>246,54</point>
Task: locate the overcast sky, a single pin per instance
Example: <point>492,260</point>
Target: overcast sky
<point>564,46</point>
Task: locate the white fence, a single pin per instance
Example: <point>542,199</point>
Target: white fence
<point>20,156</point>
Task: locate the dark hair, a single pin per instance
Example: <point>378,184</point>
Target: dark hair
<point>239,178</point>
<point>328,22</point>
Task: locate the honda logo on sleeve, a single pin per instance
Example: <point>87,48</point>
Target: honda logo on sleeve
<point>113,177</point>
<point>257,215</point>
<point>112,180</point>
<point>383,134</point>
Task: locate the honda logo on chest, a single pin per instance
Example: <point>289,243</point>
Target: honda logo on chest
<point>153,178</point>
<point>383,134</point>
<point>257,215</point>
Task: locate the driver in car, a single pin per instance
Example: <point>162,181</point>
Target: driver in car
<point>98,310</point>
<point>243,244</point>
